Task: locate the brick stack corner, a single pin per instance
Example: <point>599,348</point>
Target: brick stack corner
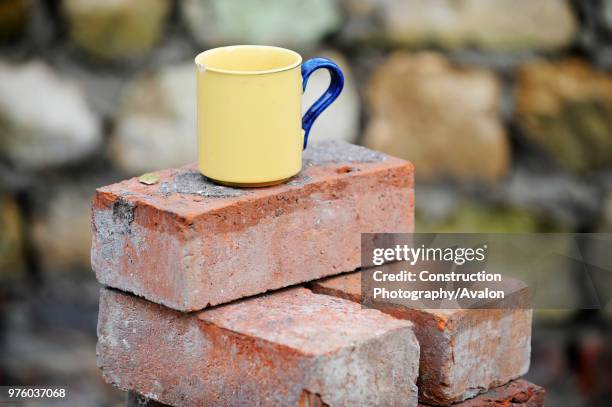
<point>194,309</point>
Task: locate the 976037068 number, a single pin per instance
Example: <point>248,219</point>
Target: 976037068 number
<point>16,393</point>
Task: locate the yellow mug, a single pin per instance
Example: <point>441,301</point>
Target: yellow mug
<point>250,128</point>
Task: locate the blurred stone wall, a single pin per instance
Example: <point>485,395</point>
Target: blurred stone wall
<point>505,106</point>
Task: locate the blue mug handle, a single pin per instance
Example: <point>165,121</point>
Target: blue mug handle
<point>333,91</point>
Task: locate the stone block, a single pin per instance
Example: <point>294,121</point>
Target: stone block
<point>492,25</point>
<point>564,108</point>
<point>443,118</point>
<point>119,29</point>
<point>45,119</point>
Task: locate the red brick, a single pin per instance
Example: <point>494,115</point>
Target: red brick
<point>463,351</point>
<point>287,348</point>
<point>518,393</point>
<point>187,243</point>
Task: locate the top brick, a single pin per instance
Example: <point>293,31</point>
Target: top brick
<point>187,243</point>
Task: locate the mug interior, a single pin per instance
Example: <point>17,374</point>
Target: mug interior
<point>248,59</point>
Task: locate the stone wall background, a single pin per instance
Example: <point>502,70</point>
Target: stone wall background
<point>505,107</point>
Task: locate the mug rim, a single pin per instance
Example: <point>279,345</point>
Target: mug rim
<point>200,65</point>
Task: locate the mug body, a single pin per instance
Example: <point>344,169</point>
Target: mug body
<point>249,114</point>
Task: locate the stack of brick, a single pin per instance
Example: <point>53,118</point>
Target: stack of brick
<point>219,324</point>
<point>464,352</point>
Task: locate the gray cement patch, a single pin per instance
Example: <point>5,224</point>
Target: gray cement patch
<point>191,182</point>
<point>339,152</point>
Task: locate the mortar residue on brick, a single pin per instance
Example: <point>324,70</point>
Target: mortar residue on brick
<point>191,182</point>
<point>335,152</point>
<point>123,215</point>
<point>299,180</point>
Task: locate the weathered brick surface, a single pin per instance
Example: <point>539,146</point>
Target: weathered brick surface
<point>463,351</point>
<point>289,348</point>
<point>187,243</point>
<point>518,393</point>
